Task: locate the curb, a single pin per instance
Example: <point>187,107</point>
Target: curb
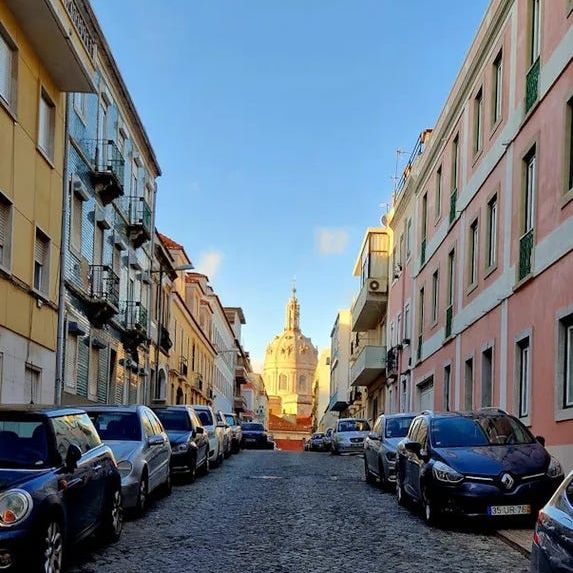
<point>513,541</point>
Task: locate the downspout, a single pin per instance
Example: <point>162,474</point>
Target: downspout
<point>61,333</point>
<point>147,379</point>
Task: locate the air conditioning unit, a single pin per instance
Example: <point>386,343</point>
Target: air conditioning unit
<point>376,285</point>
<point>80,189</point>
<point>101,218</point>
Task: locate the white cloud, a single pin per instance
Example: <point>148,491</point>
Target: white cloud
<point>209,262</point>
<point>331,240</point>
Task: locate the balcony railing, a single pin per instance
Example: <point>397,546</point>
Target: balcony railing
<point>108,167</point>
<point>419,349</point>
<point>139,227</point>
<point>525,254</point>
<point>423,251</point>
<point>134,315</point>
<point>453,205</point>
<point>449,317</point>
<point>532,85</point>
<point>165,339</point>
<point>183,368</point>
<point>104,284</point>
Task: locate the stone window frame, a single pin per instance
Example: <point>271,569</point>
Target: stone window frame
<point>518,339</point>
<point>6,260</point>
<point>488,345</point>
<point>11,106</point>
<point>561,412</point>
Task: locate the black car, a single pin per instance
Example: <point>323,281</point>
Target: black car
<point>478,464</point>
<point>58,484</point>
<point>189,441</point>
<point>255,436</point>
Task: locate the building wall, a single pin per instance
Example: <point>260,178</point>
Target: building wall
<point>340,357</point>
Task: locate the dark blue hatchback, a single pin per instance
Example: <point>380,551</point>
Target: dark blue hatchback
<point>478,464</point>
<point>58,484</point>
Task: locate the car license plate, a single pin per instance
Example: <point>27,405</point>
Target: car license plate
<point>509,509</point>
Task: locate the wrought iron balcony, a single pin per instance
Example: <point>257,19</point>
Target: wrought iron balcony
<point>423,251</point>
<point>525,254</point>
<point>532,85</point>
<point>107,167</point>
<point>392,363</point>
<point>453,205</point>
<point>134,321</point>
<point>139,227</point>
<point>183,368</point>
<point>449,317</point>
<point>165,339</point>
<point>103,302</point>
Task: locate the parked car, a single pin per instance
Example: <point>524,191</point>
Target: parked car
<point>58,484</point>
<point>236,432</point>
<point>141,448</point>
<point>480,464</point>
<point>317,442</point>
<point>227,433</point>
<point>349,436</point>
<point>328,438</point>
<point>552,550</point>
<point>189,441</point>
<point>255,436</point>
<point>380,447</point>
<point>215,433</point>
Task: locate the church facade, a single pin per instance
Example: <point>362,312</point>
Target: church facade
<point>290,363</point>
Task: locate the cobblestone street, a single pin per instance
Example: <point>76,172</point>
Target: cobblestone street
<point>265,512</point>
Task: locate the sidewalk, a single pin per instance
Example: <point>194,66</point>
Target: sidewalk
<point>520,539</point>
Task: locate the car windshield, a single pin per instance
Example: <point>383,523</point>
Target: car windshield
<point>117,426</point>
<point>231,420</point>
<point>353,426</point>
<point>482,431</point>
<point>23,444</point>
<point>205,417</point>
<point>398,427</point>
<point>250,427</point>
<point>174,420</point>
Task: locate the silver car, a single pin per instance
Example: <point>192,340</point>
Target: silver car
<point>215,433</point>
<point>141,448</point>
<point>552,549</point>
<point>349,435</point>
<point>236,432</point>
<point>380,447</point>
<point>227,433</point>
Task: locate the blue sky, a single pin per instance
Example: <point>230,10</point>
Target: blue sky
<point>276,124</point>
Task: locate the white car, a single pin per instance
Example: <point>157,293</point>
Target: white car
<point>215,432</point>
<point>227,433</point>
<point>349,436</point>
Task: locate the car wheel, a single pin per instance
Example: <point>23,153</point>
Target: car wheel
<point>367,473</point>
<point>382,481</point>
<point>333,451</point>
<point>167,485</point>
<point>192,470</point>
<point>112,520</point>
<point>50,549</point>
<point>142,496</point>
<point>431,512</point>
<point>401,495</point>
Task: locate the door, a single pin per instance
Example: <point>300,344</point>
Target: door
<point>373,445</point>
<point>418,461</point>
<point>151,453</point>
<point>427,396</point>
<point>201,439</point>
<point>408,465</point>
<point>160,454</point>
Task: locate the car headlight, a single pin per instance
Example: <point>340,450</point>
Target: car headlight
<point>15,506</point>
<point>554,469</point>
<point>180,448</point>
<point>446,474</point>
<point>125,467</point>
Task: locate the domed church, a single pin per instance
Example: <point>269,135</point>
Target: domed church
<point>290,362</point>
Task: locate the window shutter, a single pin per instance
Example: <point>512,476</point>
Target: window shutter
<point>76,221</point>
<point>5,70</point>
<point>41,251</point>
<point>4,214</point>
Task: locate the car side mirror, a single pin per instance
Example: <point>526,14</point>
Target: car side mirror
<point>200,430</point>
<point>541,440</point>
<point>156,440</point>
<point>73,456</point>
<point>413,447</point>
<point>373,436</point>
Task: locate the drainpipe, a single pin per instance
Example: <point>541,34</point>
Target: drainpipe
<point>61,333</point>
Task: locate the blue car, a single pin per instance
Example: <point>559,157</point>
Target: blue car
<point>58,484</point>
<point>478,464</point>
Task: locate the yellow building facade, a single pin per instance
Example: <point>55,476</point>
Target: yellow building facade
<point>42,55</point>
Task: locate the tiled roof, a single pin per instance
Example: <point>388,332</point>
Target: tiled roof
<point>302,424</point>
<point>170,243</point>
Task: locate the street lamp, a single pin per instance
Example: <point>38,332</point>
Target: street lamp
<point>160,270</point>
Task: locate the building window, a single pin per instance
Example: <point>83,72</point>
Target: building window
<point>33,384</point>
<point>5,231</point>
<point>497,99</point>
<point>41,262</point>
<point>408,237</point>
<point>529,192</point>
<point>566,359</point>
<point>447,386</point>
<point>71,362</point>
<point>438,206</point>
<point>77,223</point>
<point>399,328</point>
<point>469,385</point>
<point>487,378</point>
<point>491,232</point>
<point>569,146</point>
<point>535,31</point>
<point>424,216</point>
<point>473,253</point>
<point>455,162</point>
<point>523,376</point>
<point>478,121</point>
<point>282,382</point>
<point>435,295</point>
<point>8,67</point>
<point>94,371</point>
<point>302,384</point>
<point>46,125</point>
<point>451,276</point>
<point>80,104</point>
<point>421,309</point>
<point>407,322</point>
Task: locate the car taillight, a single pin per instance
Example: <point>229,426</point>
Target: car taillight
<point>539,523</point>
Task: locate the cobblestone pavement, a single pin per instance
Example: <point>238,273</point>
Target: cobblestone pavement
<point>279,512</point>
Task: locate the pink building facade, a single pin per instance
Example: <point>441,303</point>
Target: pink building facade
<point>480,310</point>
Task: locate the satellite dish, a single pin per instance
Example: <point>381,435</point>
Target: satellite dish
<point>384,220</point>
